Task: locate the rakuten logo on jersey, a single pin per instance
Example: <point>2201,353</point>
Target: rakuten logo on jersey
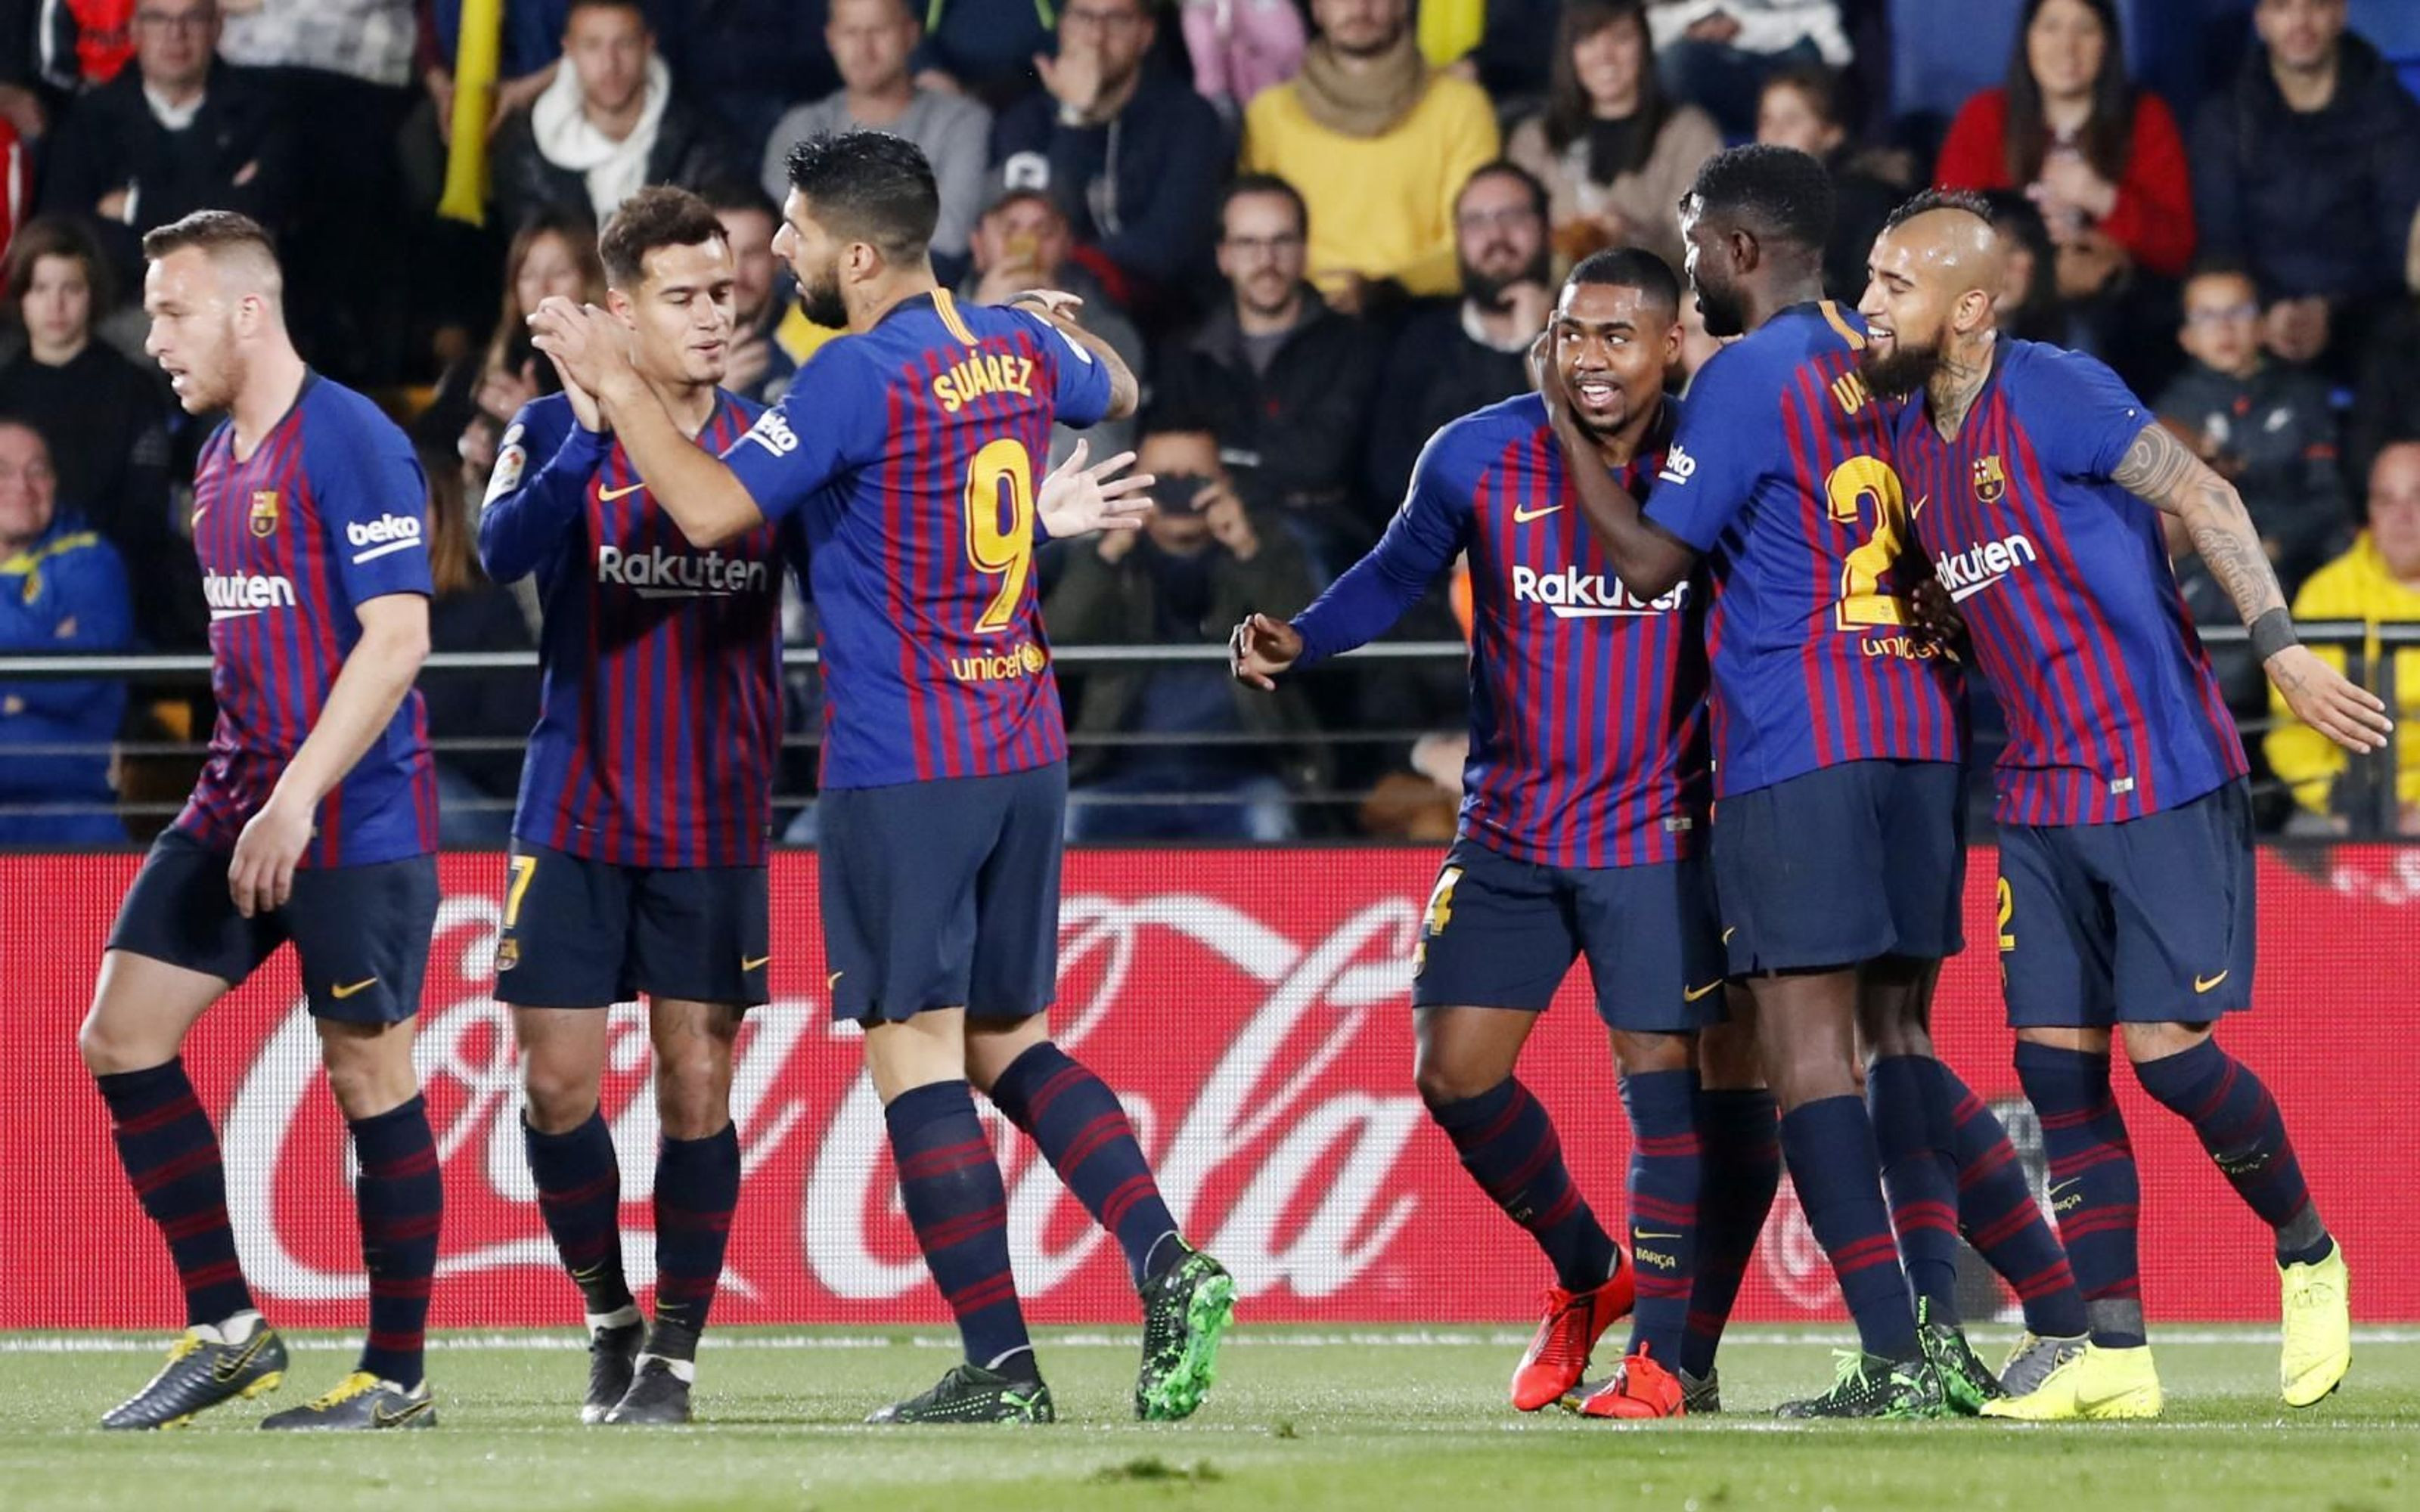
<point>656,573</point>
<point>382,536</point>
<point>233,596</point>
<point>1573,595</point>
<point>1969,572</point>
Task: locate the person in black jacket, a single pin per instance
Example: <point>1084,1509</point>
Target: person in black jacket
<point>179,131</point>
<point>2305,171</point>
<point>610,124</point>
<point>1130,152</point>
<point>1286,383</point>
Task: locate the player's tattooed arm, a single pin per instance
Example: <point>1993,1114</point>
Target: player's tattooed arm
<point>1126,390</point>
<point>2164,472</point>
<point>1649,559</point>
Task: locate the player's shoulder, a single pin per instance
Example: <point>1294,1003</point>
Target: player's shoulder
<point>1463,448</point>
<point>2037,373</point>
<point>328,406</point>
<point>747,408</point>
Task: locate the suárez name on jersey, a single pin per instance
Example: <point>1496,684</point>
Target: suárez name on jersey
<point>1572,593</point>
<point>656,573</point>
<point>970,378</point>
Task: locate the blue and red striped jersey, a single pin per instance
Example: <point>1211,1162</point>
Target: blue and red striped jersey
<point>912,451</point>
<point>1781,473</point>
<point>1587,725</point>
<point>328,512</point>
<point>2064,581</point>
<point>659,705</point>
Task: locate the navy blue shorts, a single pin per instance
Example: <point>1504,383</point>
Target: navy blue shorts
<point>1843,865</point>
<point>2145,922</point>
<point>1503,934</point>
<point>585,933</point>
<point>942,894</point>
<point>361,932</point>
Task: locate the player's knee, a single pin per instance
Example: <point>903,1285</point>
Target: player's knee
<point>366,1084</point>
<point>1440,1082</point>
<point>108,1049</point>
<point>693,1094</point>
<point>560,1097</point>
<point>2158,1042</point>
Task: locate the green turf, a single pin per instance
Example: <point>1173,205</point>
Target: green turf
<point>1295,1420</point>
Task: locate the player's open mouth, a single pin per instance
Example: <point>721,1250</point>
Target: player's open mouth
<point>1594,394</point>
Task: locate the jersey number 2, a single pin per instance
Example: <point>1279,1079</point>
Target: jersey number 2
<point>1863,604</point>
<point>993,550</point>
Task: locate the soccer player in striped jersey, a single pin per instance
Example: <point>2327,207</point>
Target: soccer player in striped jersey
<point>313,821</point>
<point>1583,822</point>
<point>639,843</point>
<point>1838,845</point>
<point>907,449</point>
<point>2126,861</point>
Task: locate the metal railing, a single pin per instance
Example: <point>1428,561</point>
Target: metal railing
<point>2366,795</point>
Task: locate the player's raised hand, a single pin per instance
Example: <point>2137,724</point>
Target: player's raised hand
<point>584,343</point>
<point>1049,301</point>
<point>1077,499</point>
<point>1260,648</point>
<point>585,408</point>
<point>1548,379</point>
<point>1932,614</point>
<point>260,875</point>
<point>2329,703</point>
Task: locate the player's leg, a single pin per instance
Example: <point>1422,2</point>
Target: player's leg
<point>2055,940</point>
<point>897,884</point>
<point>2185,899</point>
<point>1803,904</point>
<point>361,936</point>
<point>176,946</point>
<point>562,961</point>
<point>1502,934</point>
<point>1187,1297</point>
<point>1739,1143</point>
<point>699,950</point>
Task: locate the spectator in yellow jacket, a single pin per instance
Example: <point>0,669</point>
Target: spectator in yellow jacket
<point>1378,143</point>
<point>2378,582</point>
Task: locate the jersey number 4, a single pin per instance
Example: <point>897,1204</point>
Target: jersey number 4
<point>993,548</point>
<point>1863,604</point>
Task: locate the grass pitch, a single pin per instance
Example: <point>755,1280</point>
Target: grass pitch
<point>1403,1422</point>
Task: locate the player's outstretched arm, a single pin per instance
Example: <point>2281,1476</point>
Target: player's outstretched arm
<point>1649,559</point>
<point>1077,499</point>
<point>1126,390</point>
<point>368,689</point>
<point>1261,649</point>
<point>704,497</point>
<point>2160,470</point>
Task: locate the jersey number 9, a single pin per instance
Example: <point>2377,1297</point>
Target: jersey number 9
<point>994,549</point>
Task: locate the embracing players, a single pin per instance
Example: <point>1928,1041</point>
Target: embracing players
<point>1838,845</point>
<point>314,822</point>
<point>2126,861</point>
<point>639,843</point>
<point>907,450</point>
<point>1582,831</point>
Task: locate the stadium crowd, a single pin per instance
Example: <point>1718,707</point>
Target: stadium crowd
<point>1318,229</point>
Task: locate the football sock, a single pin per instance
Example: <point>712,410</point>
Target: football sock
<point>400,1199</point>
<point>1997,1214</point>
<point>171,1155</point>
<point>2095,1191</point>
<point>697,1189</point>
<point>1829,1144</point>
<point>1919,1178</point>
<point>1082,1132</point>
<point>579,1195</point>
<point>1664,1185</point>
<point>1508,1144</point>
<point>951,1186</point>
<point>2238,1122</point>
<point>1739,1154</point>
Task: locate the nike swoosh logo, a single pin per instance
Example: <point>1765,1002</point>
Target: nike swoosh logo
<point>2057,1187</point>
<point>1920,503</point>
<point>2203,984</point>
<point>1690,994</point>
<point>1641,1233</point>
<point>386,1420</point>
<point>606,496</point>
<point>1523,517</point>
<point>343,989</point>
<point>231,1365</point>
<point>833,980</point>
<point>749,964</point>
<point>1728,933</point>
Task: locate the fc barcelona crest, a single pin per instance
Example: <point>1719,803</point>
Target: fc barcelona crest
<point>1991,480</point>
<point>264,512</point>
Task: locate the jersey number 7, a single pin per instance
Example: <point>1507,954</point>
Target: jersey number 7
<point>994,549</point>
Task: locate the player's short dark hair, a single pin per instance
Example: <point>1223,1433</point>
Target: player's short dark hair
<point>871,187</point>
<point>214,232</point>
<point>1779,194</point>
<point>659,215</point>
<point>59,236</point>
<point>1925,201</point>
<point>726,194</point>
<point>1264,184</point>
<point>1631,268</point>
<point>1505,168</point>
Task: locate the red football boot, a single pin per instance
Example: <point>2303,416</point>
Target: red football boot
<point>1638,1388</point>
<point>1557,1355</point>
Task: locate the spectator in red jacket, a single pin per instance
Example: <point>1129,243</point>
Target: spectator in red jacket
<point>2102,159</point>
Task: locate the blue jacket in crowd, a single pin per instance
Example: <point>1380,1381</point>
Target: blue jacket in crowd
<point>66,592</point>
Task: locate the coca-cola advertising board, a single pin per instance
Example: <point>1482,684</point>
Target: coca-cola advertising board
<point>1248,1006</point>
